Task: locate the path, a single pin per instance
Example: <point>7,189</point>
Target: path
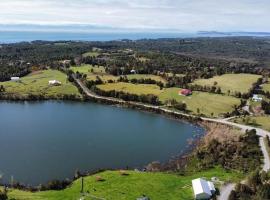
<point>225,192</point>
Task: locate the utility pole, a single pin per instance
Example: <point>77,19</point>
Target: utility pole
<point>82,185</point>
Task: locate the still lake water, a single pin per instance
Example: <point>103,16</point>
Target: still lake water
<point>41,141</point>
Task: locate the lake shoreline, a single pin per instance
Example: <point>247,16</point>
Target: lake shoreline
<point>182,119</point>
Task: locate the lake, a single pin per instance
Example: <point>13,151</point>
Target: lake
<point>41,141</point>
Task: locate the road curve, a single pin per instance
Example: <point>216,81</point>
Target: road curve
<point>226,190</point>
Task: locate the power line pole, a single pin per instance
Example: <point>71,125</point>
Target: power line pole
<point>82,186</point>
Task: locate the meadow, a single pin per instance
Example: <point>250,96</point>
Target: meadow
<point>37,83</point>
<point>132,185</point>
<point>146,76</point>
<point>205,103</point>
<point>92,72</point>
<point>138,89</point>
<point>91,54</point>
<point>233,82</point>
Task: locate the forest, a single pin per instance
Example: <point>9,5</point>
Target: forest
<point>194,57</point>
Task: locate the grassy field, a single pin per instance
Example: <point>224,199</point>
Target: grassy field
<point>37,83</point>
<point>266,87</point>
<point>233,82</point>
<point>93,72</point>
<point>87,69</point>
<point>206,102</point>
<point>132,88</point>
<point>90,54</point>
<point>146,76</point>
<point>157,186</point>
<point>258,121</point>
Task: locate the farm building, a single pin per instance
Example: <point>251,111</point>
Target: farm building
<point>185,92</point>
<point>256,98</point>
<point>15,79</point>
<point>202,189</point>
<point>54,82</point>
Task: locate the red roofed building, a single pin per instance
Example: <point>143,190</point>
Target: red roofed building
<point>185,92</point>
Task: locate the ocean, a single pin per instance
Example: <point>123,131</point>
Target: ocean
<point>20,36</point>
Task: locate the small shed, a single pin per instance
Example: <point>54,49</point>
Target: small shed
<point>201,189</point>
<point>54,82</point>
<point>15,79</point>
<point>185,92</point>
<point>256,98</point>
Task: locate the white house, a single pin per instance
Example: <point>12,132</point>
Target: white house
<point>15,79</point>
<point>133,71</point>
<point>54,82</point>
<point>202,189</point>
<point>256,98</point>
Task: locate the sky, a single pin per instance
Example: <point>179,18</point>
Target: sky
<point>165,15</point>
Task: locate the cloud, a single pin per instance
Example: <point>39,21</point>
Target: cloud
<point>184,15</point>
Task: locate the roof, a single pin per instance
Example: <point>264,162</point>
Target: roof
<point>185,91</point>
<point>211,186</point>
<point>200,186</point>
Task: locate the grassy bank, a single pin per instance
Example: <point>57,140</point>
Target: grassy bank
<point>157,186</point>
<point>37,83</point>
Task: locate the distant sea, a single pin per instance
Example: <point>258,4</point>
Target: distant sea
<point>20,36</point>
<point>27,36</point>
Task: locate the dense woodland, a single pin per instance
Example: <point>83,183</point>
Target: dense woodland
<point>200,57</point>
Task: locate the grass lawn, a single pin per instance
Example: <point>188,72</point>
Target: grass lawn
<point>146,76</point>
<point>37,83</point>
<point>207,103</point>
<point>132,88</point>
<point>157,186</point>
<point>233,82</point>
<point>266,87</point>
<point>258,121</point>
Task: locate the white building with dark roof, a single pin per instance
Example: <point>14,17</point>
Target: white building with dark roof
<point>202,189</point>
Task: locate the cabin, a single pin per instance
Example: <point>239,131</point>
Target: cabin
<point>185,92</point>
<point>256,98</point>
<point>54,82</point>
<point>203,189</point>
<point>15,79</point>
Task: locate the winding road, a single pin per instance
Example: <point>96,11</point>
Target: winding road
<point>226,190</point>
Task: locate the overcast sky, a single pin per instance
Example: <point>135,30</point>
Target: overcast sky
<point>184,15</point>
